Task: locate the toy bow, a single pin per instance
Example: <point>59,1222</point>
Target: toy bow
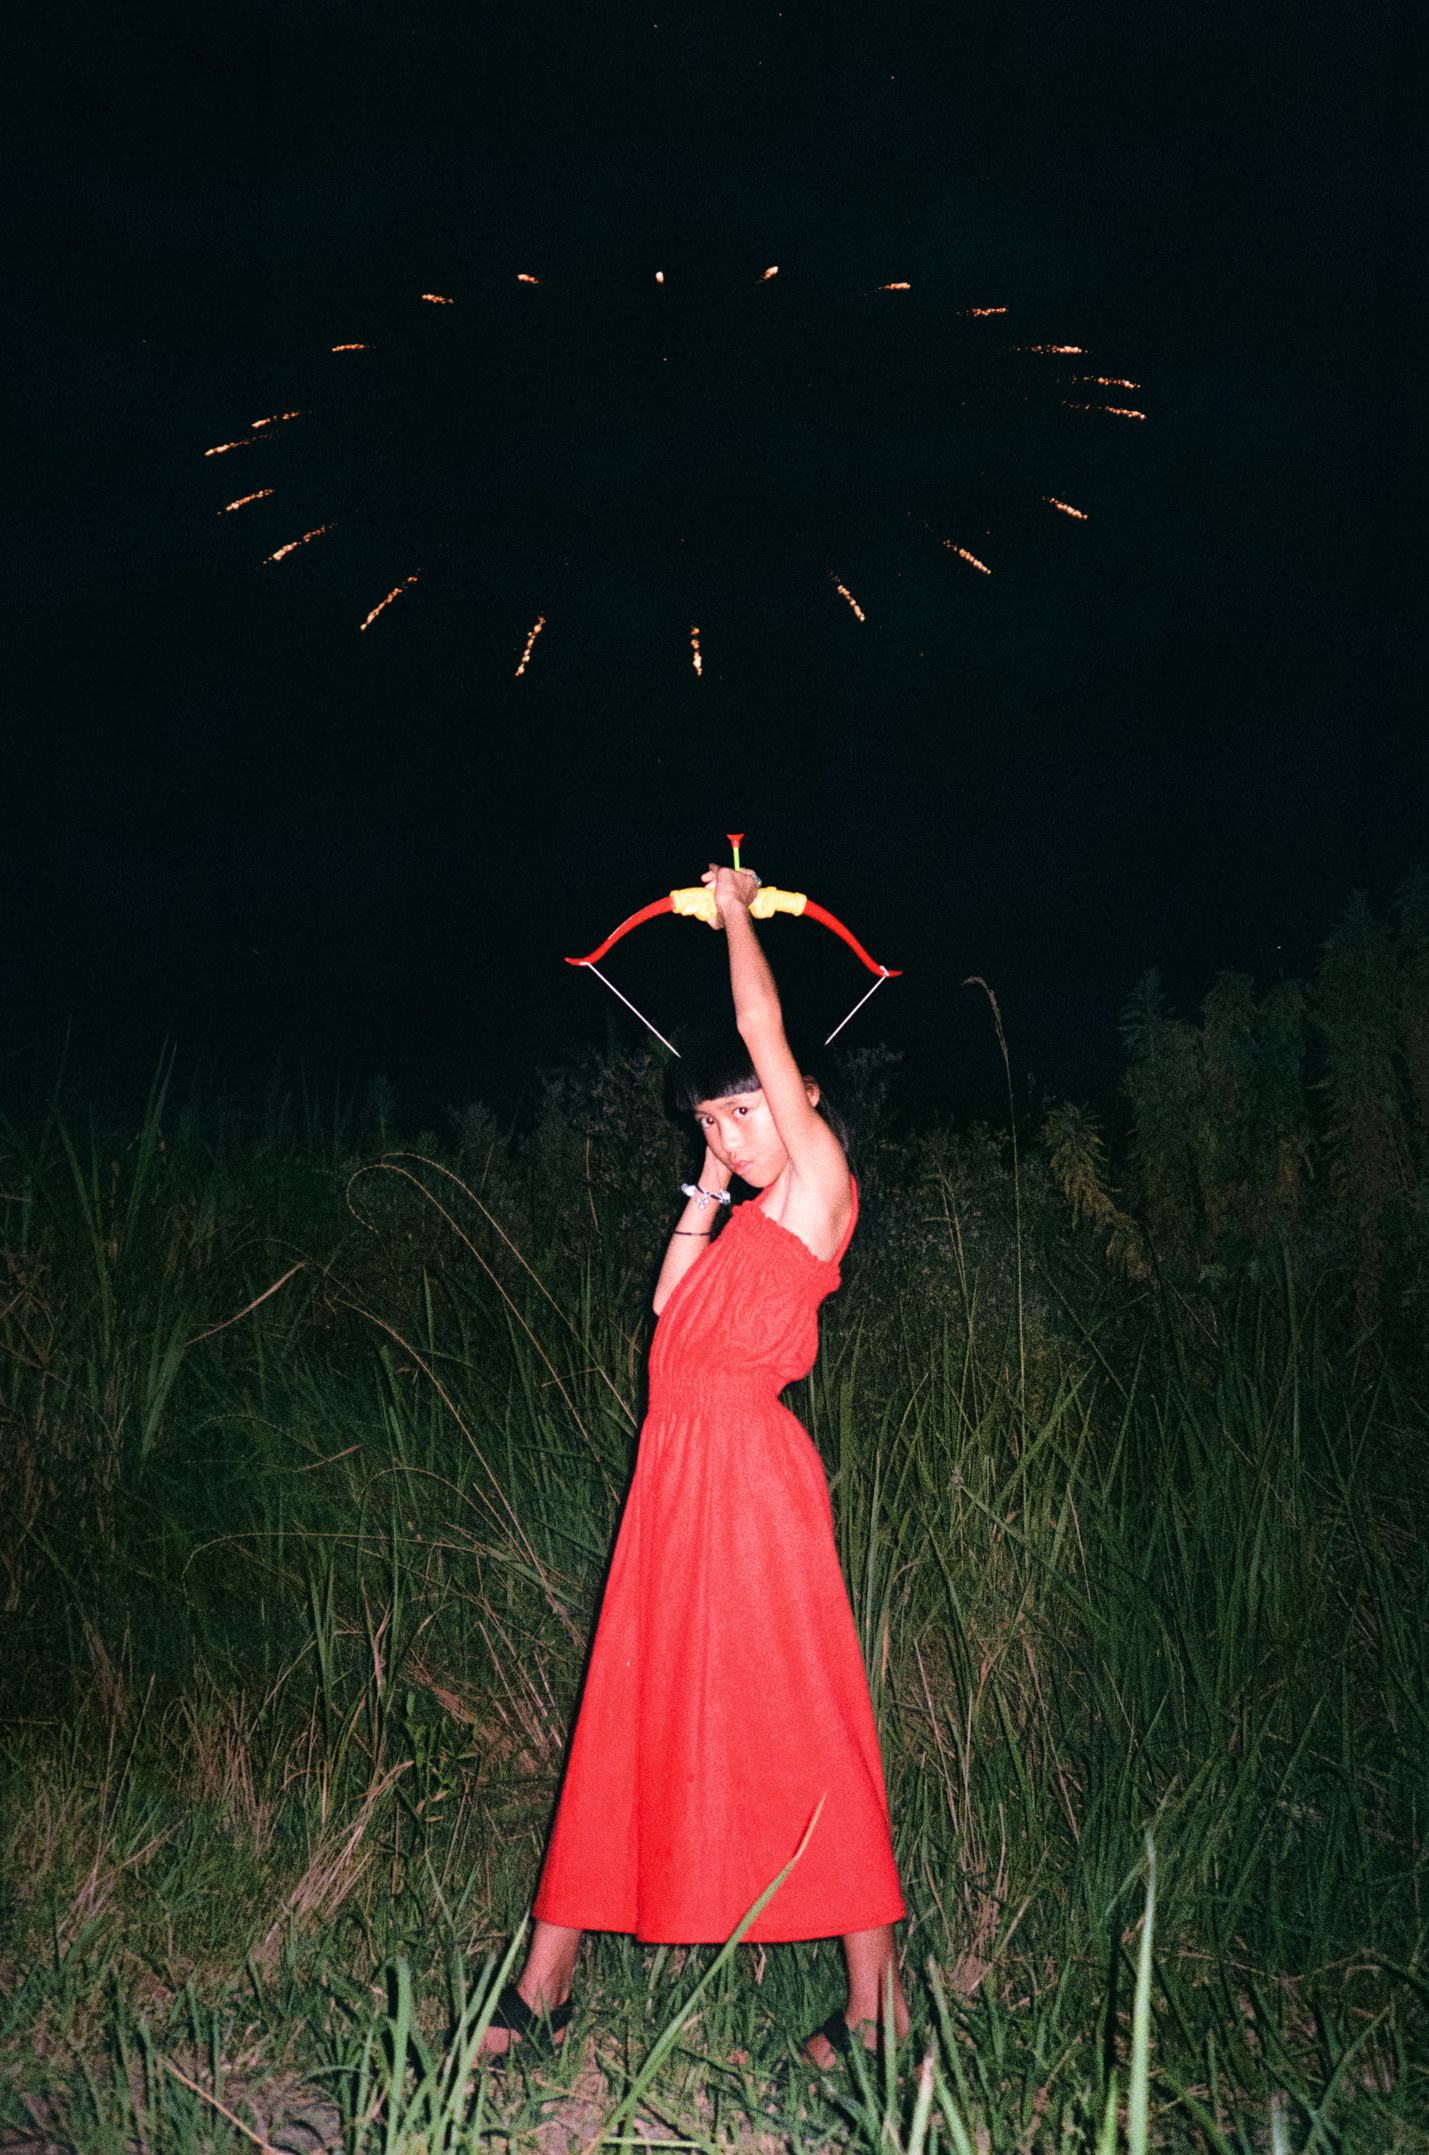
<point>698,903</point>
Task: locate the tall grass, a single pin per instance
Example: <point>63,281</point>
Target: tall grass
<point>313,1449</point>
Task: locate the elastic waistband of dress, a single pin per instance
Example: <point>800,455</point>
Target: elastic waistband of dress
<point>715,1384</point>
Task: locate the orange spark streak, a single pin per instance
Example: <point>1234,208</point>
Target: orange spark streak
<point>1115,411</point>
<point>966,556</point>
<point>908,288</point>
<point>844,593</point>
<point>699,663</point>
<point>772,271</point>
<point>1066,508</point>
<point>245,443</point>
<point>243,499</point>
<point>294,543</point>
<point>274,419</point>
<point>437,299</point>
<point>526,654</point>
<point>986,310</point>
<point>349,347</point>
<point>394,593</point>
<point>523,278</point>
<point>1110,381</point>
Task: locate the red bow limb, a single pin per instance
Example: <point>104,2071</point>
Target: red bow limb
<point>647,912</point>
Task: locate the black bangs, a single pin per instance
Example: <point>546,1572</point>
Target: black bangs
<point>716,1066</point>
<point>713,1066</point>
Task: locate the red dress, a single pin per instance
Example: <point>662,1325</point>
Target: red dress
<point>726,1692</point>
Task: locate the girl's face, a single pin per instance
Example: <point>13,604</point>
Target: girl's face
<point>740,1132</point>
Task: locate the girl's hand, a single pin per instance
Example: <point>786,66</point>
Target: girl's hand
<point>731,887</point>
<point>715,1174</point>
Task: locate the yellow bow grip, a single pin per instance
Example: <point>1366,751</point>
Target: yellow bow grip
<point>698,903</point>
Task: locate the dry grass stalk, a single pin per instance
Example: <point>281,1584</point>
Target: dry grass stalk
<point>337,1866</point>
<point>220,1747</point>
<point>57,1833</point>
<point>983,1900</point>
<point>221,2108</point>
<point>523,1725</point>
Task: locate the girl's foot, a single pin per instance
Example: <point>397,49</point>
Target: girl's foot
<point>536,2008</point>
<point>538,2024</point>
<point>829,2045</point>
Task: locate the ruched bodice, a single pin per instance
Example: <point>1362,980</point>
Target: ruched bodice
<point>766,1334</point>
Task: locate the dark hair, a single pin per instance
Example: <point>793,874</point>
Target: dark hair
<point>717,1066</point>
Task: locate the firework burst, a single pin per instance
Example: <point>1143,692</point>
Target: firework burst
<point>575,449</point>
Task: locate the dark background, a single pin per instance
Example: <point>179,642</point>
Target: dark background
<point>1176,734</point>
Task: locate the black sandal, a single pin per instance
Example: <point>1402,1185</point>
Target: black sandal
<point>837,2033</point>
<point>793,2073</point>
<point>537,2030</point>
<point>840,2038</point>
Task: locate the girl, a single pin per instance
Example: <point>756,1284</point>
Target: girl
<point>726,1696</point>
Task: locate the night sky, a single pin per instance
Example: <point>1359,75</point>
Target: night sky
<point>1179,732</point>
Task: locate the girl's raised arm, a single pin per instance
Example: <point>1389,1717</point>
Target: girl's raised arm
<point>822,1194</point>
